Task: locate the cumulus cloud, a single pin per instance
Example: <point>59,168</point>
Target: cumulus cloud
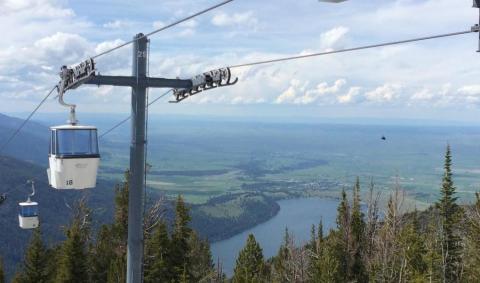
<point>34,8</point>
<point>471,90</point>
<point>118,24</point>
<point>352,96</point>
<point>49,33</point>
<point>299,93</point>
<point>330,38</point>
<point>385,93</point>
<point>223,19</point>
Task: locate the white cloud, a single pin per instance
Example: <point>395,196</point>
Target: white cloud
<point>223,19</point>
<point>118,24</point>
<point>352,96</point>
<point>424,94</point>
<point>289,94</point>
<point>330,38</point>
<point>299,93</point>
<point>34,9</point>
<point>385,93</point>
<point>471,90</point>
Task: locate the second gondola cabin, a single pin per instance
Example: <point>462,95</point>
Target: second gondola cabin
<point>73,157</point>
<point>28,215</point>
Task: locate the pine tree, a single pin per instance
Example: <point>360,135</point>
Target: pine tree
<point>357,270</point>
<point>34,268</point>
<point>327,264</point>
<point>201,266</point>
<point>250,265</point>
<point>119,233</point>
<point>180,236</point>
<point>343,237</point>
<point>157,265</point>
<point>101,255</point>
<point>73,263</point>
<point>450,214</point>
<point>313,239</point>
<point>320,231</point>
<point>281,260</point>
<point>412,245</point>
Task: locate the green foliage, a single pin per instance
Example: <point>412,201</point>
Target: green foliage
<point>101,255</point>
<point>250,265</point>
<point>35,265</point>
<point>416,247</point>
<point>326,266</point>
<point>72,261</point>
<point>450,215</point>
<point>201,265</point>
<point>179,244</point>
<point>280,261</point>
<point>413,250</point>
<point>472,258</point>
<point>157,258</point>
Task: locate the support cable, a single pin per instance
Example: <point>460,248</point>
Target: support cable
<point>26,120</point>
<point>352,49</point>
<point>164,28</point>
<point>129,117</point>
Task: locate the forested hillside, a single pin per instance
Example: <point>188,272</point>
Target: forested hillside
<point>211,220</point>
<point>441,244</point>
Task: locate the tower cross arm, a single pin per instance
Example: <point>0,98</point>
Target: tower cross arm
<point>148,82</point>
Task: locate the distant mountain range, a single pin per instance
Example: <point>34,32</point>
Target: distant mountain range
<point>30,144</point>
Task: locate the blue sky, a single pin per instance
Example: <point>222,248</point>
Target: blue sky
<point>426,80</point>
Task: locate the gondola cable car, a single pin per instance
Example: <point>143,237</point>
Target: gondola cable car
<point>28,212</point>
<point>73,155</point>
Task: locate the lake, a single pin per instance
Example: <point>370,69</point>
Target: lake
<point>296,214</point>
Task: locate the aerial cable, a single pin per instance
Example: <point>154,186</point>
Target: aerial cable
<point>352,49</point>
<point>26,120</point>
<point>128,118</point>
<point>164,28</point>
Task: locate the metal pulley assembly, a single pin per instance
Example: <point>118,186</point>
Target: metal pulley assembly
<point>208,80</point>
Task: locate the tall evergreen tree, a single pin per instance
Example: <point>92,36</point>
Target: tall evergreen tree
<point>180,236</point>
<point>343,237</point>
<point>250,265</point>
<point>327,264</point>
<point>118,232</point>
<point>357,270</point>
<point>34,268</point>
<point>157,264</point>
<point>101,255</point>
<point>450,214</point>
<point>201,266</point>
<point>280,261</point>
<point>412,245</point>
<point>73,263</point>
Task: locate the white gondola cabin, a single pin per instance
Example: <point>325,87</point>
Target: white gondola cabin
<point>73,157</point>
<point>28,215</point>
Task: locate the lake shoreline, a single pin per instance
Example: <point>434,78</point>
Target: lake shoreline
<point>296,214</point>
